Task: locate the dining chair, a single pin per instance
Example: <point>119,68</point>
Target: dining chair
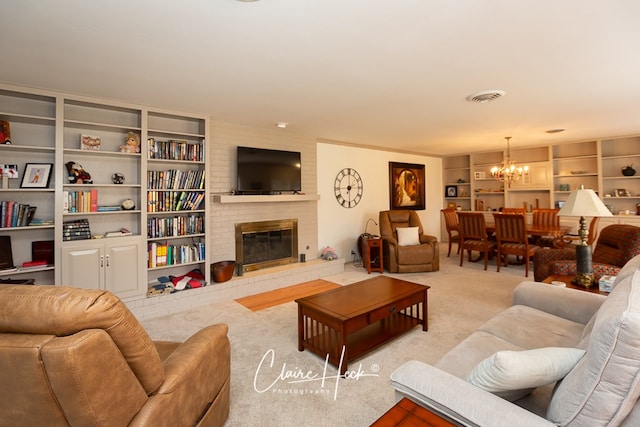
<point>542,216</point>
<point>512,239</point>
<point>522,211</point>
<point>451,223</point>
<point>473,236</point>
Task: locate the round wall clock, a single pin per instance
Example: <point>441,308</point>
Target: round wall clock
<point>348,187</point>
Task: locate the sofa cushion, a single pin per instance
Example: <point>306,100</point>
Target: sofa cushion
<point>408,236</point>
<point>605,385</point>
<point>528,328</point>
<point>514,374</point>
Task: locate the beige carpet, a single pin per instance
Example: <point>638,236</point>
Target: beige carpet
<point>460,300</point>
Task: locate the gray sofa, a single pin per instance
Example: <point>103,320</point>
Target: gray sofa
<point>601,388</point>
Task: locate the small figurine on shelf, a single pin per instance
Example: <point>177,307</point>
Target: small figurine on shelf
<point>131,144</point>
<point>5,132</point>
<point>77,174</point>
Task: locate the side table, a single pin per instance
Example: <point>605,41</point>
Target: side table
<point>407,413</point>
<point>567,280</point>
<point>371,248</point>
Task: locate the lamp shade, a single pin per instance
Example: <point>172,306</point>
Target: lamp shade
<point>584,202</point>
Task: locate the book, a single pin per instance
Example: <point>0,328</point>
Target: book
<point>28,264</point>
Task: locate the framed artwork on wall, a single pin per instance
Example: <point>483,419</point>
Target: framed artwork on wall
<point>406,186</point>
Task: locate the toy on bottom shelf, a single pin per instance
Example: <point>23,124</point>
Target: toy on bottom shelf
<point>77,174</point>
<point>329,254</point>
<point>131,144</point>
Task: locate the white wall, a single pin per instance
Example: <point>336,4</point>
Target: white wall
<point>340,227</point>
<point>225,137</point>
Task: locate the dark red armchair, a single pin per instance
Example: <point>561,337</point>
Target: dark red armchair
<point>617,244</point>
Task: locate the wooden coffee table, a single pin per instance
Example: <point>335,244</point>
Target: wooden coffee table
<point>595,289</point>
<point>406,413</point>
<point>347,322</point>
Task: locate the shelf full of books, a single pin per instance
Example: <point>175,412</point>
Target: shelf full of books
<point>15,214</point>
<point>174,149</point>
<point>176,226</point>
<point>169,255</point>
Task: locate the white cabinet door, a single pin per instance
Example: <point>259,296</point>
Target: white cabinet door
<point>83,266</point>
<point>539,176</point>
<point>123,275</point>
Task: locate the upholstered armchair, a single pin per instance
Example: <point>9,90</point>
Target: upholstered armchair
<point>617,244</point>
<point>406,249</point>
<point>78,357</point>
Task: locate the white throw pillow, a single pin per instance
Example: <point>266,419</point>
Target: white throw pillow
<point>408,236</point>
<point>514,374</point>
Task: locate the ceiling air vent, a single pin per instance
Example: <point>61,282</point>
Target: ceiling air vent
<point>486,96</point>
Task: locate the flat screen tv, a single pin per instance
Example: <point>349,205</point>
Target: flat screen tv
<point>266,171</point>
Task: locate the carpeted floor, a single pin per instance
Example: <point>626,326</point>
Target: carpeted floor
<point>264,348</point>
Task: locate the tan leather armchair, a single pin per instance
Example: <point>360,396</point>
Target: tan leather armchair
<point>407,259</point>
<point>78,357</point>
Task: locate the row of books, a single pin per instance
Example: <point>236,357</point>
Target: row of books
<point>169,201</point>
<point>176,179</point>
<point>164,254</point>
<point>14,214</point>
<point>176,226</point>
<point>176,150</point>
<point>76,230</point>
<point>80,201</point>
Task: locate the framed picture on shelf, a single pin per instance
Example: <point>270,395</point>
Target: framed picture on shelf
<point>621,192</point>
<point>406,186</point>
<point>90,142</point>
<point>36,175</point>
<point>451,190</point>
<point>479,175</point>
<point>480,205</point>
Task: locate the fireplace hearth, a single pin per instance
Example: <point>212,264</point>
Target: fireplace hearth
<point>266,244</point>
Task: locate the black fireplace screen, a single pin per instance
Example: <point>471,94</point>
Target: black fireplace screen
<point>266,243</point>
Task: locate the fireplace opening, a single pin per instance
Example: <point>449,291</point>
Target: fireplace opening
<point>266,244</point>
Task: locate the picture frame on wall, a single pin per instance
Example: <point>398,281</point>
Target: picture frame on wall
<point>451,190</point>
<point>36,175</point>
<point>406,186</point>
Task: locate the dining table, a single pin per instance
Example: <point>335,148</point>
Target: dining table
<point>537,229</point>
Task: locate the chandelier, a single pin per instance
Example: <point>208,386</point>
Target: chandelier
<point>509,172</point>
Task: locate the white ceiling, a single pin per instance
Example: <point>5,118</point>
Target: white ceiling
<point>391,73</point>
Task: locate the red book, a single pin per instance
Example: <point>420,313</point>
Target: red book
<point>33,263</point>
<point>93,207</point>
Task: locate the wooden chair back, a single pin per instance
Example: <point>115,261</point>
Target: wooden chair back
<point>546,217</point>
<point>472,226</point>
<point>452,226</point>
<point>473,236</point>
<point>521,211</point>
<point>512,238</point>
<point>450,218</point>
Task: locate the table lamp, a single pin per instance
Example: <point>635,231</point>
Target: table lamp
<point>582,203</point>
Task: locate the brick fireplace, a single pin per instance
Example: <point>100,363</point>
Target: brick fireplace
<point>264,244</point>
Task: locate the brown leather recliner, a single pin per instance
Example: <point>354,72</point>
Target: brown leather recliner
<point>78,357</point>
<point>407,259</point>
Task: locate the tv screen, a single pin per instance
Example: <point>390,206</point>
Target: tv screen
<point>264,171</point>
